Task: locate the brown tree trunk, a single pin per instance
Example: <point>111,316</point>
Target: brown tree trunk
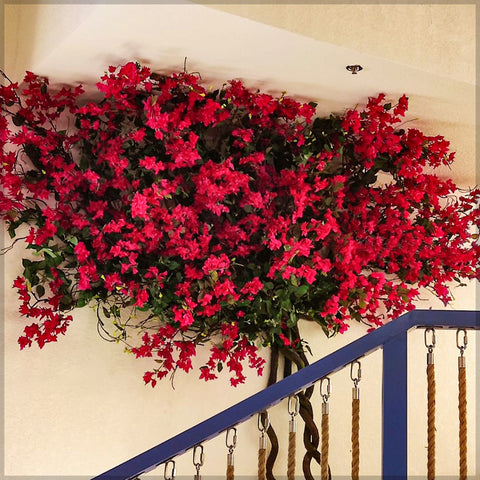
<point>311,437</point>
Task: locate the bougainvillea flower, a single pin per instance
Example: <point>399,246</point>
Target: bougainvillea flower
<point>222,217</point>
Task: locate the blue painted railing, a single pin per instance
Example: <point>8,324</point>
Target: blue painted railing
<point>392,338</point>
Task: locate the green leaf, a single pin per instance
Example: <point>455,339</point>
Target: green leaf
<point>337,187</point>
<point>54,261</point>
<point>26,262</point>
<point>18,120</point>
<point>145,308</point>
<point>83,300</point>
<point>40,291</point>
<point>301,290</point>
<point>66,302</point>
<point>72,239</point>
<point>286,304</point>
<point>292,321</point>
<point>46,250</point>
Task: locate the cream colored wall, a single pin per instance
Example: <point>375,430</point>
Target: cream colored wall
<point>75,43</point>
<point>79,407</point>
<point>438,38</point>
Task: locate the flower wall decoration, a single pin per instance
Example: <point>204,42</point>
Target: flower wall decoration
<point>188,216</point>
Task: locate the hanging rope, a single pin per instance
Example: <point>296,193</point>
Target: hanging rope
<point>230,471</point>
<point>325,429</point>
<point>231,444</point>
<point>462,405</point>
<point>355,419</point>
<point>311,435</point>
<point>263,425</point>
<point>262,459</point>
<point>431,405</point>
<point>293,409</point>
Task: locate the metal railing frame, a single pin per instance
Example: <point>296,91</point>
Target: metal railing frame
<point>392,338</point>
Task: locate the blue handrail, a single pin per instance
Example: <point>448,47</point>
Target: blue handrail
<point>391,337</point>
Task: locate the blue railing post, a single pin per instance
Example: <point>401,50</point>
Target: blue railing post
<point>394,403</point>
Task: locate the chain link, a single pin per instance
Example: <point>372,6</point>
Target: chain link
<point>173,472</point>
<point>462,347</point>
<point>328,390</point>
<point>231,445</point>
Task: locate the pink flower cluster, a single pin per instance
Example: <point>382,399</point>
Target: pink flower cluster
<point>226,215</point>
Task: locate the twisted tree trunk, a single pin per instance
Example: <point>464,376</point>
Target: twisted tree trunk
<point>311,436</point>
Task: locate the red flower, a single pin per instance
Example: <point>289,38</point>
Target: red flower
<point>81,252</point>
<point>215,209</point>
<point>139,206</point>
<point>214,263</point>
<point>252,287</point>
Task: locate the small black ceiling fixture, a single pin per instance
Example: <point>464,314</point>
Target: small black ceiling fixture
<point>354,68</point>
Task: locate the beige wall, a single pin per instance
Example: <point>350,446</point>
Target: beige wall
<point>79,407</point>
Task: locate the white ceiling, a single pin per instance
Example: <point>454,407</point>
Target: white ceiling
<point>425,51</point>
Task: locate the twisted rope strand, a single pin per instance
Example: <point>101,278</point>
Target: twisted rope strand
<point>431,422</point>
<point>355,438</point>
<point>262,467</point>
<point>325,445</point>
<point>291,456</point>
<point>462,417</point>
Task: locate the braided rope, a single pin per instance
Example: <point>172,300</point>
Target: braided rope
<point>462,416</point>
<point>291,456</point>
<point>355,439</point>
<point>325,445</point>
<point>262,467</point>
<point>431,422</point>
<point>230,472</point>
